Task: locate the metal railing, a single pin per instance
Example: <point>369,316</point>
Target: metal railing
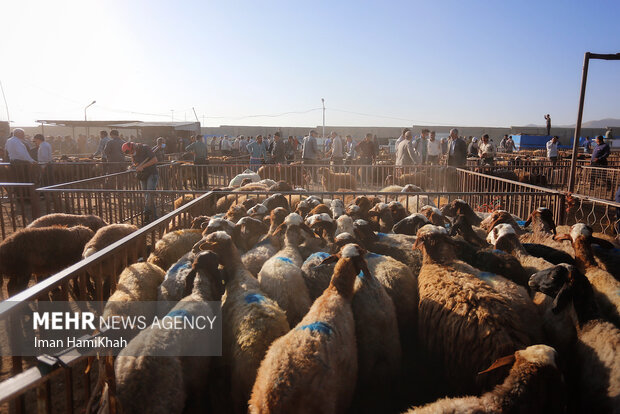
<point>29,390</point>
<point>19,206</point>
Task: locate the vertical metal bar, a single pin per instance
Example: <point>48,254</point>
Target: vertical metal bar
<point>582,96</point>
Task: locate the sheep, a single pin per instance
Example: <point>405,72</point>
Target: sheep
<point>332,181</point>
<point>306,205</point>
<point>197,222</point>
<point>419,179</point>
<point>236,213</point>
<point>147,382</point>
<point>280,277</point>
<point>320,209</point>
<point>219,224</point>
<point>172,246</point>
<point>503,237</point>
<point>498,217</point>
<point>462,226</point>
<point>177,283</point>
<point>69,220</point>
<point>550,254</point>
<point>383,215</point>
<point>606,287</point>
<point>138,282</point>
<point>534,385</point>
<point>106,236</point>
<point>344,224</point>
<point>276,217</point>
<point>323,225</point>
<point>541,221</point>
<point>411,224</point>
<point>415,202</point>
<point>434,215</point>
<point>313,368</point>
<point>292,173</point>
<point>391,189</point>
<point>41,251</point>
<point>253,321</point>
<point>281,186</point>
<point>184,199</point>
<point>267,182</point>
<point>399,212</point>
<point>459,206</point>
<point>468,318</point>
<point>276,200</point>
<point>337,208</point>
<point>248,231</point>
<point>596,351</point>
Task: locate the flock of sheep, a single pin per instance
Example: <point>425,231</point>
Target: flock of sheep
<point>357,305</point>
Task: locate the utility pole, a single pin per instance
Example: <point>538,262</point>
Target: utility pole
<point>323,102</point>
<point>87,127</point>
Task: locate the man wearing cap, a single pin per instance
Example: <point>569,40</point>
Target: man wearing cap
<point>145,162</point>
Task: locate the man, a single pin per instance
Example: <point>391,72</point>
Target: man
<point>402,137</point>
<point>310,149</point>
<point>552,149</point>
<point>486,151</point>
<point>608,134</point>
<point>510,145</point>
<point>199,149</point>
<point>548,120</point>
<point>113,153</point>
<point>457,149</point>
<point>421,145</point>
<point>16,148</point>
<point>145,163</point>
<point>406,153</point>
<point>587,145</point>
<point>336,152</point>
<point>502,144</point>
<point>243,143</point>
<point>278,152</point>
<point>258,153</point>
<point>600,153</point>
<point>235,146</point>
<point>160,149</point>
<point>291,147</point>
<point>226,146</point>
<point>433,150</point>
<point>328,144</point>
<point>472,148</point>
<point>44,157</point>
<point>366,150</point>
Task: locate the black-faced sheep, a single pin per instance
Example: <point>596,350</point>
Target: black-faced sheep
<point>399,211</point>
<point>462,226</point>
<point>467,318</point>
<point>40,251</point>
<point>276,200</point>
<point>313,368</point>
<point>596,351</point>
<point>411,224</point>
<point>533,385</point>
<point>459,206</point>
<point>69,220</point>
<point>253,321</point>
<point>172,246</point>
<point>248,231</point>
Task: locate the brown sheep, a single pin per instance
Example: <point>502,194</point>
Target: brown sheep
<point>294,174</point>
<point>313,368</point>
<point>41,251</point>
<point>184,199</point>
<point>172,246</point>
<point>419,178</point>
<point>69,220</point>
<point>332,181</point>
<point>106,236</point>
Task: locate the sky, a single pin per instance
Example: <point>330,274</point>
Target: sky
<point>389,63</point>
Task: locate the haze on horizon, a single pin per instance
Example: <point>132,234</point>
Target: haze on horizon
<point>376,64</point>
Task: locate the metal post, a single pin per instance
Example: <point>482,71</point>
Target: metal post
<point>323,102</point>
<point>85,120</point>
<point>582,96</point>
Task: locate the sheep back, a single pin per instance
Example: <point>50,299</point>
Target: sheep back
<point>316,277</point>
<point>69,220</point>
<point>172,246</point>
<point>106,236</point>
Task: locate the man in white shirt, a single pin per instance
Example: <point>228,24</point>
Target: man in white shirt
<point>44,156</point>
<point>552,149</point>
<point>433,149</point>
<point>486,150</point>
<point>336,151</point>
<point>226,146</point>
<point>16,148</point>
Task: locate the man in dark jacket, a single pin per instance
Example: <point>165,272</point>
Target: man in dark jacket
<point>278,150</point>
<point>601,152</point>
<point>457,149</point>
<point>145,162</point>
<point>113,152</point>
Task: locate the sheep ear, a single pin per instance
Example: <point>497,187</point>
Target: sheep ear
<point>500,362</point>
<point>204,225</point>
<point>493,224</point>
<point>603,243</point>
<point>418,243</point>
<point>562,237</point>
<point>562,298</point>
<point>330,259</point>
<point>279,229</point>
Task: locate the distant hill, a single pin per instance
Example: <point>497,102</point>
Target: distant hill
<point>601,123</point>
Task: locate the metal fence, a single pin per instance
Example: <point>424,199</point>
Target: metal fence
<point>29,389</point>
<point>58,172</point>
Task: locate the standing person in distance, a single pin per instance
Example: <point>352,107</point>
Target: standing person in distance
<point>336,152</point>
<point>548,122</point>
<point>258,153</point>
<point>402,137</point>
<point>103,139</point>
<point>600,153</point>
<point>310,152</point>
<point>159,149</point>
<point>552,149</point>
<point>486,151</point>
<point>113,153</point>
<point>199,149</point>
<point>291,147</point>
<point>44,157</point>
<point>406,154</point>
<point>145,162</point>
<point>457,149</point>
<point>278,151</point>
<point>510,145</point>
<point>421,145</point>
<point>433,150</point>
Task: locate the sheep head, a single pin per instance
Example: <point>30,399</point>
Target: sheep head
<point>323,225</point>
<point>337,208</point>
<point>435,244</point>
<point>248,231</point>
<point>218,224</point>
<point>320,209</point>
<point>581,231</point>
<point>363,232</point>
<point>197,222</point>
<point>363,203</point>
<point>206,264</point>
<point>221,243</point>
<point>293,220</point>
<point>543,221</point>
<point>411,224</point>
<point>236,212</point>
<point>459,206</point>
<point>277,217</point>
<point>503,237</point>
<point>434,215</point>
<point>343,239</point>
<point>350,263</point>
<point>276,200</point>
<point>502,216</point>
<point>411,188</point>
<point>399,211</point>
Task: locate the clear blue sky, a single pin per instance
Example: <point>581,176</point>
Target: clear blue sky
<point>496,63</point>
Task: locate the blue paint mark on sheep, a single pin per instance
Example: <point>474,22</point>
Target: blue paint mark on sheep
<point>254,298</point>
<point>175,268</point>
<point>320,327</point>
<point>487,276</point>
<point>179,313</point>
<point>361,274</point>
<point>521,222</point>
<point>285,259</point>
<point>381,235</point>
<point>371,255</point>
<point>320,255</point>
<point>263,242</point>
<point>496,251</point>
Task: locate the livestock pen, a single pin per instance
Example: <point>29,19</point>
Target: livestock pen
<point>63,383</point>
